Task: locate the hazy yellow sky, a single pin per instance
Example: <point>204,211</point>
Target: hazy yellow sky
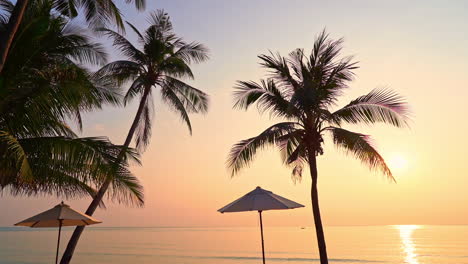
<point>417,48</point>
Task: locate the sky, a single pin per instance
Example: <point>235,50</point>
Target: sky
<point>416,48</point>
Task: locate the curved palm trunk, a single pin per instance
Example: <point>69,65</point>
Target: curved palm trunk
<point>13,23</point>
<point>67,255</point>
<point>316,210</point>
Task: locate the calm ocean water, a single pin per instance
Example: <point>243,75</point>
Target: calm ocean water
<point>292,245</point>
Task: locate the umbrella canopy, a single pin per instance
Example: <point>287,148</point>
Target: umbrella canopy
<point>60,215</point>
<point>259,200</point>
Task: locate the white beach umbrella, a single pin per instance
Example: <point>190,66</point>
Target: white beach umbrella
<point>60,215</point>
<point>260,200</point>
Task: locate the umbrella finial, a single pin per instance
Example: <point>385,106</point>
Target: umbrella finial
<point>62,204</point>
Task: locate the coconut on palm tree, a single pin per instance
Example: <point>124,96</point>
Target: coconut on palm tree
<point>96,12</point>
<point>159,64</point>
<point>303,90</point>
<point>44,87</point>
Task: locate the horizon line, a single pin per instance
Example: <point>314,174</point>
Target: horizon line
<point>254,226</point>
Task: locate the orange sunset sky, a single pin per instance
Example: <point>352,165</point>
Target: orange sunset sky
<point>417,48</point>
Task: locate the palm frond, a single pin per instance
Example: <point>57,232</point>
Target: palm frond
<point>326,72</point>
<point>136,31</point>
<point>57,164</point>
<point>175,67</point>
<point>380,105</point>
<point>293,152</point>
<point>178,103</point>
<point>160,25</point>
<point>136,88</point>
<point>107,91</point>
<point>280,70</point>
<point>139,4</point>
<point>267,96</point>
<point>360,146</point>
<point>43,80</point>
<point>66,7</point>
<point>85,91</point>
<point>123,45</point>
<point>296,62</point>
<point>64,186</point>
<point>126,189</point>
<point>121,71</point>
<point>13,157</point>
<point>193,99</point>
<point>192,52</point>
<point>33,124</point>
<point>335,80</point>
<point>325,50</point>
<point>244,151</point>
<point>80,47</point>
<point>99,13</point>
<point>6,8</point>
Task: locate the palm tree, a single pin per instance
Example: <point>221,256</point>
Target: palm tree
<point>302,90</point>
<point>96,12</point>
<point>162,61</point>
<point>44,86</point>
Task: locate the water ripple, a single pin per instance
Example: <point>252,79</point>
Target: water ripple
<point>288,259</point>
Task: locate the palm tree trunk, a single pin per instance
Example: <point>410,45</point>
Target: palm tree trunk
<point>13,23</point>
<point>316,210</point>
<point>67,255</point>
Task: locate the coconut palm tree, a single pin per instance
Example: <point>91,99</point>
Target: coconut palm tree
<point>162,60</point>
<point>302,90</point>
<point>44,87</point>
<point>96,13</point>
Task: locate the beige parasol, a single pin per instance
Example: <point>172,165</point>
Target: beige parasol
<point>60,215</point>
<point>260,200</point>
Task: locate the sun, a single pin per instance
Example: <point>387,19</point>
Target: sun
<point>398,162</point>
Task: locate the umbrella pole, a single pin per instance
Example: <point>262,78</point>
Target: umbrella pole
<point>261,231</point>
<point>58,241</point>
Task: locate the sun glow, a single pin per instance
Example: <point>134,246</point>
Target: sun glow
<point>397,162</point>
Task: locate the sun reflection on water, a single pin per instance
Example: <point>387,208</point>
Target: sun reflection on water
<point>406,235</point>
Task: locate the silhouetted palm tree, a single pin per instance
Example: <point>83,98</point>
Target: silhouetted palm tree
<point>163,59</point>
<point>96,13</point>
<point>303,90</point>
<point>44,87</point>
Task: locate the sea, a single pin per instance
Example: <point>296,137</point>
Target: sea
<point>410,244</point>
